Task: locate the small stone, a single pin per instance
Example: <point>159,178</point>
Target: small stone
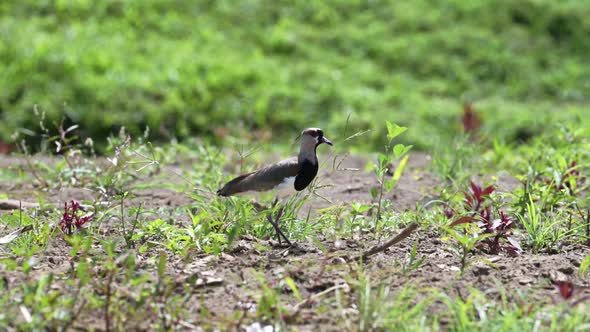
<point>227,257</point>
<point>526,280</point>
<point>495,259</point>
<point>279,271</point>
<point>557,276</point>
<point>257,327</point>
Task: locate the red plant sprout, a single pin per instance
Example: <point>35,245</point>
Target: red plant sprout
<point>470,119</point>
<point>571,293</point>
<point>6,148</point>
<point>565,288</point>
<point>71,218</point>
<point>572,174</point>
<point>501,228</point>
<point>477,196</point>
<point>449,212</point>
<point>481,213</point>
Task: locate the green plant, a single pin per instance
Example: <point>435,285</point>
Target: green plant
<point>381,306</point>
<point>465,242</point>
<point>543,231</point>
<point>413,262</point>
<point>453,161</point>
<point>584,265</point>
<point>396,153</point>
<point>269,305</point>
<point>357,221</point>
<point>161,84</point>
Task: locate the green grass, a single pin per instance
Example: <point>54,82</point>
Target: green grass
<point>221,76</point>
<point>185,68</point>
<point>124,263</point>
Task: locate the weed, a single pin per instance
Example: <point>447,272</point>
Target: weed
<point>466,241</point>
<point>543,230</point>
<point>269,305</point>
<point>397,153</point>
<point>413,262</point>
<point>477,209</point>
<point>71,218</point>
<point>380,307</point>
<point>471,121</point>
<point>453,162</point>
<point>584,265</point>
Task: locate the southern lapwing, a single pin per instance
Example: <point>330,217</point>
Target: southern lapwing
<point>293,174</point>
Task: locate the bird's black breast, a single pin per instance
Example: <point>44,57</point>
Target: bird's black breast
<point>307,171</point>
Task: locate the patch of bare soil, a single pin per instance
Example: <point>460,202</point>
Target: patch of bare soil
<point>349,182</point>
<point>230,283</point>
<point>340,184</point>
<point>525,279</point>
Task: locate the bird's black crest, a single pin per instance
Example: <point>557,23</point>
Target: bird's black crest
<point>306,174</point>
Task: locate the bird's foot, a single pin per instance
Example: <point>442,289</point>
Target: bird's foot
<point>258,207</point>
<point>275,224</point>
<point>293,249</point>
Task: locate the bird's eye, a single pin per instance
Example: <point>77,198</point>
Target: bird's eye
<point>313,133</point>
<point>320,133</point>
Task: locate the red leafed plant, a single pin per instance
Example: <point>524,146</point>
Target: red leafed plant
<point>571,175</point>
<point>71,219</point>
<point>6,148</point>
<point>476,196</point>
<point>573,294</point>
<point>470,119</point>
<point>479,211</point>
<point>565,288</point>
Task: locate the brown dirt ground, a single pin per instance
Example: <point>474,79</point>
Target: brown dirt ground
<point>314,271</point>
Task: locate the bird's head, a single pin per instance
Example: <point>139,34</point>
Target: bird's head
<point>312,137</point>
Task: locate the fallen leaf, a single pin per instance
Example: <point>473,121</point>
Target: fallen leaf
<point>26,314</point>
<point>201,282</point>
<point>10,237</point>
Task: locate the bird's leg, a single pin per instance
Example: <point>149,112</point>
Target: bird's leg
<point>259,207</point>
<point>275,224</point>
<point>274,203</point>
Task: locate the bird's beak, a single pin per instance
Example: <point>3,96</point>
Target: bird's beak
<point>325,140</point>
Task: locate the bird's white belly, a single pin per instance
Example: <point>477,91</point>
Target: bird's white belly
<point>285,188</point>
<point>288,185</point>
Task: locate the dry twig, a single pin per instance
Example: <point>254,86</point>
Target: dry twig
<point>383,246</point>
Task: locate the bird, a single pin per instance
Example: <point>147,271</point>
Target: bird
<point>289,175</point>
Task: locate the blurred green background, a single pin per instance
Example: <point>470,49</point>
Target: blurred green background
<point>199,68</point>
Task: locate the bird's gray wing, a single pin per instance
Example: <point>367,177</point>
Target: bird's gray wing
<point>263,179</point>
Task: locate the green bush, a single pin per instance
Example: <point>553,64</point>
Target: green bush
<point>184,68</point>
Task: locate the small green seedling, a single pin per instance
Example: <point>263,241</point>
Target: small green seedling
<point>398,154</point>
<point>466,241</point>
